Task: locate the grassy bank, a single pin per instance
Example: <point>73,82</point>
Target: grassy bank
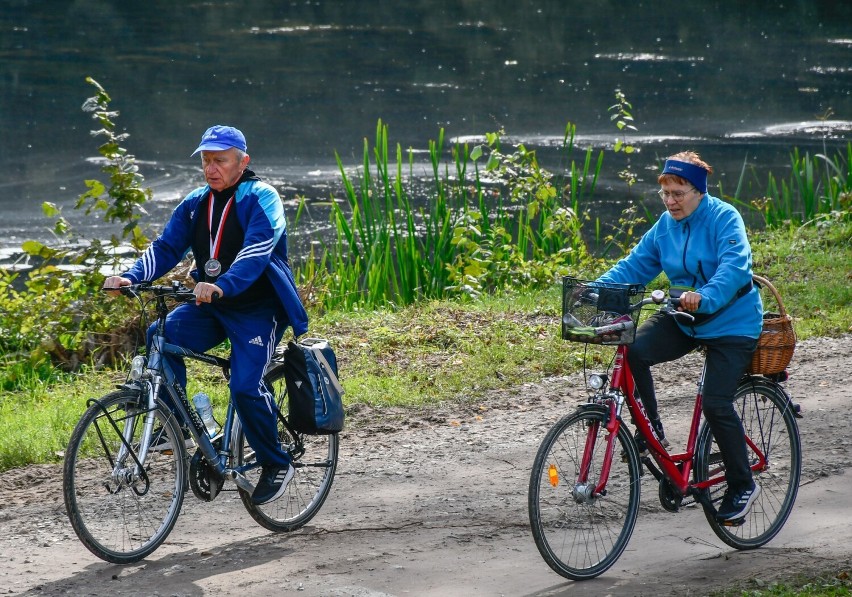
<point>454,350</point>
<point>833,584</point>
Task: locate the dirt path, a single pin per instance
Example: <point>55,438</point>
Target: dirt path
<point>435,504</point>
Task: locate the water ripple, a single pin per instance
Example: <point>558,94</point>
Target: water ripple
<point>647,57</point>
<point>828,128</point>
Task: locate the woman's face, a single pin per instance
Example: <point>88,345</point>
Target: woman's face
<point>680,199</point>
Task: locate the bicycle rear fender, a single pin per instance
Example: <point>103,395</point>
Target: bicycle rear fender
<point>775,388</point>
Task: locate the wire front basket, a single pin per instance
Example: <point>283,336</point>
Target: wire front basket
<point>599,312</point>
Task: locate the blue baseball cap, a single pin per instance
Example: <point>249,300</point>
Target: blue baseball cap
<point>220,137</point>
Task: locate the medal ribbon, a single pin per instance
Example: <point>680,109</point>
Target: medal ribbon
<point>217,242</point>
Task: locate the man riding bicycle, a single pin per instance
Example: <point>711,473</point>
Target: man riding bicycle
<point>236,230</point>
<point>700,243</point>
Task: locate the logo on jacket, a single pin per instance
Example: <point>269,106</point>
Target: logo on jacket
<point>257,341</point>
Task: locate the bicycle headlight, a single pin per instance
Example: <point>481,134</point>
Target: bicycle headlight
<point>137,367</point>
<point>596,381</point>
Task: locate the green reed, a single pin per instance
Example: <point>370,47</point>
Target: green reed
<point>478,227</point>
<point>817,187</point>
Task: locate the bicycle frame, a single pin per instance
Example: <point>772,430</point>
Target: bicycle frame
<point>160,377</point>
<point>124,487</point>
<point>675,467</point>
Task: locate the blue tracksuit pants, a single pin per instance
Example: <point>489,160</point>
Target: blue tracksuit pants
<point>253,333</point>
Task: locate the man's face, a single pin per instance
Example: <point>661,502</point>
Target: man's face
<point>222,169</point>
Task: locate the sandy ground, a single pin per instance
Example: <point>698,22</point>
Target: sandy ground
<point>434,503</point>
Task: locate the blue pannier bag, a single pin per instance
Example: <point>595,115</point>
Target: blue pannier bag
<point>314,393</point>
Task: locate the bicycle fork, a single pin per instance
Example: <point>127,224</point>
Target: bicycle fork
<point>584,490</point>
<point>122,474</point>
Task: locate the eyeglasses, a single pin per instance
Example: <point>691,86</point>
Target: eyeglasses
<point>676,195</point>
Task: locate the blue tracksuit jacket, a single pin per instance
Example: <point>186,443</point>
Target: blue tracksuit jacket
<point>707,250</point>
<point>264,251</point>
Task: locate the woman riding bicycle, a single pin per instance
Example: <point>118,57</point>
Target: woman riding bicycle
<point>700,243</point>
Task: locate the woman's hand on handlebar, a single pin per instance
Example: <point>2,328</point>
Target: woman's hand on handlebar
<point>207,293</point>
<point>689,301</point>
<point>113,284</point>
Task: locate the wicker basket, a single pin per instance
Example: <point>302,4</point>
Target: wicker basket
<point>777,340</point>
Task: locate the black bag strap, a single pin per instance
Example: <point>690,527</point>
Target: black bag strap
<point>701,318</point>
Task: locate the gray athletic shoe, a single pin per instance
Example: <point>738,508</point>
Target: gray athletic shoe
<point>736,504</point>
<point>272,485</point>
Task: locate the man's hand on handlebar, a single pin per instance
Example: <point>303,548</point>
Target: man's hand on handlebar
<point>207,293</point>
<point>114,283</point>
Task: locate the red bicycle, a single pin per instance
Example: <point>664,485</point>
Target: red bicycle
<point>585,481</point>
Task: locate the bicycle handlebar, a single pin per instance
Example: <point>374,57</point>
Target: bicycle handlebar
<point>176,291</point>
<point>668,305</point>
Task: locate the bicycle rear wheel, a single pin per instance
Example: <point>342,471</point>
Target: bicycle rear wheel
<point>768,419</point>
<point>578,534</point>
<point>121,513</point>
<point>315,460</point>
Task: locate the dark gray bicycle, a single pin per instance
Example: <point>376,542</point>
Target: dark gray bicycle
<point>123,492</point>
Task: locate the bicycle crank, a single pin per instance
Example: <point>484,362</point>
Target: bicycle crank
<point>205,483</point>
<point>669,498</point>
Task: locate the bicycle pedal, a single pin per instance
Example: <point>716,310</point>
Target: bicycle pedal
<point>241,481</point>
<point>737,522</point>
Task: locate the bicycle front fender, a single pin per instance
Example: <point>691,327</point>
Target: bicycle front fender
<point>593,407</point>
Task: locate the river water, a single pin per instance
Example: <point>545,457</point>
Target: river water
<point>741,82</point>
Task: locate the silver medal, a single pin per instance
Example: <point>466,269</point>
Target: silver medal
<point>212,268</point>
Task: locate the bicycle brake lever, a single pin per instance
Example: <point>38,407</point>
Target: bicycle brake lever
<point>688,316</point>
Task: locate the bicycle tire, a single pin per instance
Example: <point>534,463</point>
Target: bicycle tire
<point>581,537</point>
<point>768,419</point>
<point>311,482</point>
<point>119,516</point>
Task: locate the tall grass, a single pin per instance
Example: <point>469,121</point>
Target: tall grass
<point>477,228</point>
<point>817,187</point>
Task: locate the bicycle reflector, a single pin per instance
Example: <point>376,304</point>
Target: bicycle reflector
<point>553,475</point>
<point>137,367</point>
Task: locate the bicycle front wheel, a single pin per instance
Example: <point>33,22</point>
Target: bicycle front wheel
<point>120,511</point>
<point>315,459</point>
<point>581,534</point>
<point>769,421</point>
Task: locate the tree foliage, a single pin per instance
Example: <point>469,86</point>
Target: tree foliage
<point>54,319</point>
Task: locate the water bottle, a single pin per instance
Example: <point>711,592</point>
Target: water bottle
<point>205,411</point>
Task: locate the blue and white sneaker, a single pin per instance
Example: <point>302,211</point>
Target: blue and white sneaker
<point>736,504</point>
<point>272,484</point>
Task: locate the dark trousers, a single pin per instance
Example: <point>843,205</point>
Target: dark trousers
<point>660,340</point>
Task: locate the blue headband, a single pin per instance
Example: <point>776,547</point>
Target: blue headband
<point>694,174</point>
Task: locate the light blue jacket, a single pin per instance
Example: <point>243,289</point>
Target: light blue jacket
<point>709,251</point>
<point>264,250</point>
